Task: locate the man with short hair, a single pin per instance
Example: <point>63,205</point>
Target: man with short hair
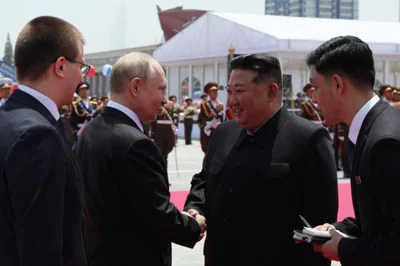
<point>263,169</point>
<point>343,73</point>
<point>130,218</point>
<point>40,197</point>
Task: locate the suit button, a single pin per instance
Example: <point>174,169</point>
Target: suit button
<point>224,219</point>
<point>231,189</point>
<point>252,140</point>
<point>239,162</point>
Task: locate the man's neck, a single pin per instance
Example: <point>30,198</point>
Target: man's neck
<point>44,89</point>
<point>355,105</point>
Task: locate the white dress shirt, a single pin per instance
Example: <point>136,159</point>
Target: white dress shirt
<point>43,99</point>
<point>132,115</point>
<point>358,119</point>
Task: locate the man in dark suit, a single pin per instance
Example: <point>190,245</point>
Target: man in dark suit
<point>342,70</point>
<point>263,170</point>
<point>41,215</point>
<point>129,217</point>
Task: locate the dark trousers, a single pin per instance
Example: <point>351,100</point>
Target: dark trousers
<point>188,123</point>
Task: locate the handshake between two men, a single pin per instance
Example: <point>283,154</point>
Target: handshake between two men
<point>200,219</point>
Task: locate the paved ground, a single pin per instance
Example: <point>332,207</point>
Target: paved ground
<point>190,161</point>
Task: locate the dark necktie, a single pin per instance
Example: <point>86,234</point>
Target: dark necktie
<point>350,152</point>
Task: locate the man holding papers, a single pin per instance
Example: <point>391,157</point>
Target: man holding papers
<point>343,73</point>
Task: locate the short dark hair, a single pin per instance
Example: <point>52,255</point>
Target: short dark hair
<point>345,55</point>
<point>209,85</point>
<point>171,97</point>
<point>307,87</point>
<point>42,41</point>
<point>265,65</point>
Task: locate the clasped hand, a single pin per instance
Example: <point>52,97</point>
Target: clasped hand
<point>200,219</point>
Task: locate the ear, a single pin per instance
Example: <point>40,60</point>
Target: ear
<point>135,85</point>
<point>272,90</point>
<point>337,85</point>
<point>59,67</point>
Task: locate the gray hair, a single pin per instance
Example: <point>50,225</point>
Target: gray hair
<point>130,66</point>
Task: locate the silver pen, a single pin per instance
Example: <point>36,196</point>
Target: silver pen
<point>305,222</point>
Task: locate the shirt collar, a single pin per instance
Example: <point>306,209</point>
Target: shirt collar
<point>131,114</point>
<point>43,99</point>
<point>358,119</point>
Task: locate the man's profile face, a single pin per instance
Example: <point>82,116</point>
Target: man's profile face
<point>327,102</point>
<point>247,100</point>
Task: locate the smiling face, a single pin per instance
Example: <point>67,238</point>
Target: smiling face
<point>152,95</point>
<point>251,103</point>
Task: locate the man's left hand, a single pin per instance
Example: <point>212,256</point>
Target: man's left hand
<point>330,249</point>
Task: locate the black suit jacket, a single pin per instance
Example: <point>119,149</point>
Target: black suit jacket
<point>252,190</point>
<point>375,183</point>
<point>41,215</point>
<point>129,217</point>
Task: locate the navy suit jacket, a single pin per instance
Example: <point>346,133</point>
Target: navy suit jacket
<point>41,217</point>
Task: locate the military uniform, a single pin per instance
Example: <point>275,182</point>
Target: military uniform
<point>188,114</point>
<point>162,131</point>
<point>207,116</point>
<point>5,87</point>
<point>311,112</point>
<point>83,110</point>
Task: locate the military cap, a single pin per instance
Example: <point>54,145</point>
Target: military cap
<point>210,86</point>
<point>6,83</point>
<point>81,86</point>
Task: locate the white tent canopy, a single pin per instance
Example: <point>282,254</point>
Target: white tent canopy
<point>211,35</point>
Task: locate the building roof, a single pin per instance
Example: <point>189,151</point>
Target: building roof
<point>212,34</point>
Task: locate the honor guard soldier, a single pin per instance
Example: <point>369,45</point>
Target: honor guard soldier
<point>188,114</point>
<point>308,109</point>
<point>163,130</point>
<point>386,92</point>
<point>175,110</point>
<point>210,116</point>
<point>5,89</point>
<point>83,110</point>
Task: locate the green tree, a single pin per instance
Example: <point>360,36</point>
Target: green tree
<point>8,51</point>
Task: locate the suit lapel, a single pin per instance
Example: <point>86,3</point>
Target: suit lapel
<point>364,130</point>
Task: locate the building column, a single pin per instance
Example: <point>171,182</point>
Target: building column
<point>386,72</point>
<point>216,73</point>
<point>190,87</point>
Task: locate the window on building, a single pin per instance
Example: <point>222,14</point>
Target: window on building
<point>196,88</point>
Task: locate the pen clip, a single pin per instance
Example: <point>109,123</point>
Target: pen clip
<point>305,222</point>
